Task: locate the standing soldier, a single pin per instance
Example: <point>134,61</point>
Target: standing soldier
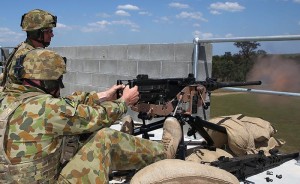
<point>38,25</point>
<point>34,122</point>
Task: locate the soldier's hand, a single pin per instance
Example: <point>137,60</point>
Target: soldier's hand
<point>110,94</point>
<point>130,95</point>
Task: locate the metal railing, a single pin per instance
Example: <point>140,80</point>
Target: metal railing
<point>197,41</point>
<point>4,54</point>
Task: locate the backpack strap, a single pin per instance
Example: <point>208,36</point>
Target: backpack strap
<point>7,64</point>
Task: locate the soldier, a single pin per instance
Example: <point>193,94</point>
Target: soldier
<point>34,121</point>
<point>38,25</point>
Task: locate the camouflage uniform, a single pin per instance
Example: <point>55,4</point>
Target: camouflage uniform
<point>36,129</point>
<point>33,21</point>
<point>21,49</point>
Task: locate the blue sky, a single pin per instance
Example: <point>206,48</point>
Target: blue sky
<point>107,22</point>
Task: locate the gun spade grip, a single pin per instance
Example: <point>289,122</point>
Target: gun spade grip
<point>119,91</point>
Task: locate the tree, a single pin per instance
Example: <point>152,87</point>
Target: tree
<point>247,48</point>
<point>234,67</point>
<point>261,53</point>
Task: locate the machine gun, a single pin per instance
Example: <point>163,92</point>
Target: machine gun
<point>249,165</point>
<point>160,97</point>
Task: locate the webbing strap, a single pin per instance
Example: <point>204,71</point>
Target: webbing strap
<point>7,65</point>
<point>240,117</point>
<point>223,120</point>
<point>4,119</point>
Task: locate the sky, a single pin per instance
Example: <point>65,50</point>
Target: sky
<point>114,22</point>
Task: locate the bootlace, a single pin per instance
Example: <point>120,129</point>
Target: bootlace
<point>166,142</point>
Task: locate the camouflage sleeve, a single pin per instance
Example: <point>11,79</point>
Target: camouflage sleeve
<point>90,98</point>
<point>81,113</point>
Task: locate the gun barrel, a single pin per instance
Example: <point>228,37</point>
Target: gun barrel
<point>233,84</point>
<point>213,85</point>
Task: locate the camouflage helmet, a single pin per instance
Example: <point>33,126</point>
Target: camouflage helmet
<point>37,19</point>
<point>43,64</point>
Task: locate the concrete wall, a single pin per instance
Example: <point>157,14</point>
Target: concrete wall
<point>99,67</point>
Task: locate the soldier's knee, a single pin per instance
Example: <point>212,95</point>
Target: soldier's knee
<point>104,132</point>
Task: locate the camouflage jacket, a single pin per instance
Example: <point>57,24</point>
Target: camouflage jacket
<point>37,126</point>
<point>23,48</point>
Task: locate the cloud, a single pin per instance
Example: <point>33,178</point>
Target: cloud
<point>128,7</point>
<point>134,30</point>
<point>196,33</point>
<point>215,12</point>
<point>103,15</point>
<point>179,5</point>
<point>196,25</point>
<point>163,19</point>
<point>125,23</point>
<point>145,13</point>
<point>191,15</point>
<point>104,25</point>
<point>229,35</point>
<point>7,35</point>
<point>122,13</point>
<point>63,26</point>
<point>96,26</point>
<point>201,35</point>
<point>297,1</point>
<point>227,6</point>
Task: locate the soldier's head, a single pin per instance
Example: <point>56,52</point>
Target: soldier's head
<point>39,24</point>
<point>43,69</point>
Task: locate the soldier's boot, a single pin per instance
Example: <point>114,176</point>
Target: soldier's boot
<point>172,135</point>
<point>127,125</point>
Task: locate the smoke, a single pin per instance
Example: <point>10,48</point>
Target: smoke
<point>277,74</point>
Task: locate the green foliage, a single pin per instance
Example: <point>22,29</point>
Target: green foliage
<point>247,48</point>
<point>235,67</point>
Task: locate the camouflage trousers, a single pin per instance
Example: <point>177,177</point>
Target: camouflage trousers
<point>110,150</point>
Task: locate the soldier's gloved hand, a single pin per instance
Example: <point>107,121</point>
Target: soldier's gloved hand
<point>130,95</point>
<point>110,94</point>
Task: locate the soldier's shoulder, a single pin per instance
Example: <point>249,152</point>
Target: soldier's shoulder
<point>23,49</point>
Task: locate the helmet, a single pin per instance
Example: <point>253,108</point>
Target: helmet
<point>37,19</point>
<point>43,64</point>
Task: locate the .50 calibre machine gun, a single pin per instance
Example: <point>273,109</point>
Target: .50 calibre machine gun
<point>178,97</point>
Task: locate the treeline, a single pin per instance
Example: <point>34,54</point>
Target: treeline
<point>234,67</point>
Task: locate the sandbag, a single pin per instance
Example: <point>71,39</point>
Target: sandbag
<point>260,129</point>
<point>245,135</point>
<point>174,171</point>
<point>200,155</point>
<point>240,139</point>
<point>220,139</point>
<point>270,144</point>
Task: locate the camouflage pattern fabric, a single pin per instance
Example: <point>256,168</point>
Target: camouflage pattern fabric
<point>43,64</point>
<point>110,150</point>
<point>23,49</point>
<point>36,129</point>
<point>37,19</point>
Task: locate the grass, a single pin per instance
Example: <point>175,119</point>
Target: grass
<point>282,111</point>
